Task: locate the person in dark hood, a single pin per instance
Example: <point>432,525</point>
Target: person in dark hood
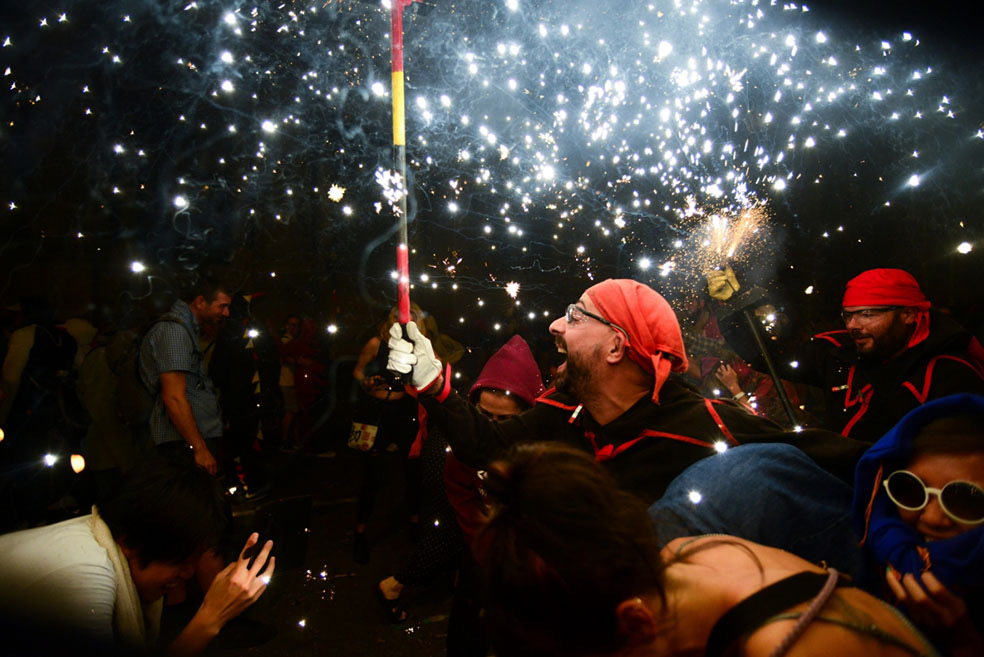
<point>894,353</point>
<point>919,508</point>
<point>245,366</point>
<point>509,384</point>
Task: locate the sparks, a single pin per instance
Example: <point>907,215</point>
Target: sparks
<point>335,193</point>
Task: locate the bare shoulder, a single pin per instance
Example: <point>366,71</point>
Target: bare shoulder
<point>369,350</point>
<point>715,547</point>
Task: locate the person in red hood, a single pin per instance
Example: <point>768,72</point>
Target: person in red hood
<point>894,354</point>
<point>614,397</point>
<point>509,384</point>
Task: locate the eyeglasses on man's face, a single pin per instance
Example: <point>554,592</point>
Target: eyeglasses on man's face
<point>575,314</point>
<point>962,501</point>
<point>865,315</point>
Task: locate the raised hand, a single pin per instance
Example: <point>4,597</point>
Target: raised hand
<point>414,356</point>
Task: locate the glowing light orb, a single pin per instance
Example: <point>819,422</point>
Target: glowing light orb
<point>227,57</point>
<point>913,181</point>
<point>269,126</point>
<point>512,5</point>
<point>180,202</point>
<point>965,248</point>
<point>332,328</point>
<point>253,333</point>
<point>378,88</point>
<point>137,267</point>
<point>227,86</point>
<point>720,447</point>
<point>695,496</point>
<point>335,193</point>
<point>512,289</point>
<point>664,49</point>
<point>50,460</point>
<point>78,463</point>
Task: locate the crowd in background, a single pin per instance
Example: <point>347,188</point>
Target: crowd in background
<point>83,408</point>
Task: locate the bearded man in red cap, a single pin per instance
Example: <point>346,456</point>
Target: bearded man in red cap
<point>615,397</point>
<point>894,354</point>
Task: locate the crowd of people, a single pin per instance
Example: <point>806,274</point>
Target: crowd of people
<point>673,491</point>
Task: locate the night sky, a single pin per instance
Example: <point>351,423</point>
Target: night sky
<point>550,144</point>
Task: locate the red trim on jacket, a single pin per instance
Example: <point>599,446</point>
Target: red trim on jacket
<point>544,399</point>
<point>863,397</point>
<point>828,336</point>
<point>928,378</point>
<point>446,390</point>
<point>871,502</point>
<point>610,451</point>
<point>418,441</point>
<point>717,420</point>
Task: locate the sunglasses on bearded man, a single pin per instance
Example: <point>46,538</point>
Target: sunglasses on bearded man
<point>962,501</point>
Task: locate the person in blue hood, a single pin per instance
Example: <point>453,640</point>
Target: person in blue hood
<point>919,510</point>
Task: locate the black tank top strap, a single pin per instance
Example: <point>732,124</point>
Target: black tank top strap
<point>377,366</point>
<point>752,612</point>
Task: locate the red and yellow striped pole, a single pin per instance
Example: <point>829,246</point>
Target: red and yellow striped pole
<point>400,151</point>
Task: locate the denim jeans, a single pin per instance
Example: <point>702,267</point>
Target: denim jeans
<point>772,494</point>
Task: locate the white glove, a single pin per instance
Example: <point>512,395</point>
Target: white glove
<point>416,357</point>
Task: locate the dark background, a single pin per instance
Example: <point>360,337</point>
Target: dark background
<point>253,210</point>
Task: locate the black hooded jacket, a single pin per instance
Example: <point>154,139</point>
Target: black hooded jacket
<point>647,446</point>
<point>865,398</point>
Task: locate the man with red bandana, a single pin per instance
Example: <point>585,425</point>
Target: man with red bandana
<point>615,397</point>
<point>894,354</point>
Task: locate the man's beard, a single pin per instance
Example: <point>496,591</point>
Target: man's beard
<point>578,379</point>
<point>885,346</point>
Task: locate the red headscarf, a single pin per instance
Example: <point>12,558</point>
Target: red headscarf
<point>654,340</point>
<point>890,287</point>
